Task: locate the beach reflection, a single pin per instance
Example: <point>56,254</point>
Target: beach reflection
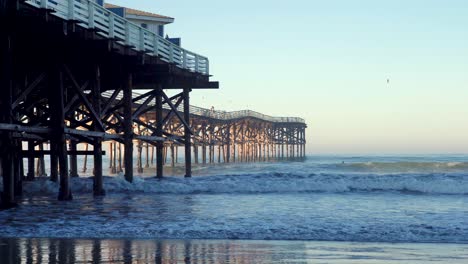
<point>35,251</point>
<point>131,251</point>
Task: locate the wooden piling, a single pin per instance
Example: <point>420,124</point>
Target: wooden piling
<point>111,157</point>
<point>59,140</point>
<point>8,194</point>
<point>31,161</point>
<point>159,132</point>
<point>128,126</point>
<point>85,160</point>
<point>172,156</point>
<point>187,134</point>
<point>147,155</point>
<point>98,184</point>
<point>73,159</point>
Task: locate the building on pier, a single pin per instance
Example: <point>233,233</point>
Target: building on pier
<point>153,22</point>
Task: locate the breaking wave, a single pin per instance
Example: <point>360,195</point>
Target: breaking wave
<point>263,183</point>
<point>405,166</point>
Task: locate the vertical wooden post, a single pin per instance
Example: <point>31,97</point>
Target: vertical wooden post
<point>31,159</point>
<point>187,134</point>
<point>195,153</point>
<point>59,140</point>
<point>268,151</point>
<point>53,163</point>
<point>282,143</point>
<point>114,158</point>
<point>233,141</point>
<point>6,114</point>
<point>41,163</point>
<point>228,144</point>
<point>204,138</point>
<point>234,151</point>
<point>304,142</point>
<point>73,159</point>
<point>98,184</point>
<point>111,157</point>
<point>85,162</point>
<point>128,125</point>
<point>159,132</point>
<point>18,166</point>
<point>172,156</point>
<point>147,155</point>
<point>152,154</point>
<point>140,161</point>
<point>298,143</point>
<point>292,150</point>
<point>120,169</point>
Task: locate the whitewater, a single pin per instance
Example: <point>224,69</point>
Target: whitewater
<point>322,198</point>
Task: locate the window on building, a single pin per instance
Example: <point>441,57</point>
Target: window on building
<point>161,30</point>
<point>144,25</point>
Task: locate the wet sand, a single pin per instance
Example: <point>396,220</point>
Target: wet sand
<point>44,250</point>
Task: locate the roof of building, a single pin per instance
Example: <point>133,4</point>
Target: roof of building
<point>130,11</point>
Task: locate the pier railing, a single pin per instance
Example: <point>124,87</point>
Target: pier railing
<point>215,114</point>
<point>89,14</point>
<point>224,115</point>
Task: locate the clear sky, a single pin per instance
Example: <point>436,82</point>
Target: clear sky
<point>329,61</point>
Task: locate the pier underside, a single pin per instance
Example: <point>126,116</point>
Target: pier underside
<point>65,88</point>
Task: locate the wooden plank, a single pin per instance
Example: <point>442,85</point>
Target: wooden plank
<point>39,153</point>
<point>26,129</point>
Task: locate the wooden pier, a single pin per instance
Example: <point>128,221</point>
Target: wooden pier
<point>69,74</point>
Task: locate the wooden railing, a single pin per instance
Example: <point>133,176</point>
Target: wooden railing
<point>224,115</point>
<point>89,14</point>
<point>214,114</point>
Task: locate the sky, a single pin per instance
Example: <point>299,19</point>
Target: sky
<point>329,62</point>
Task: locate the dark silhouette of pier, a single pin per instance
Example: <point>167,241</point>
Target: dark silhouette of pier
<point>69,74</point>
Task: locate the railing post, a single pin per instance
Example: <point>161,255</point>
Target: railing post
<point>71,9</point>
<point>184,59</point>
<point>111,25</point>
<point>127,33</point>
<point>90,14</point>
<point>156,45</point>
<point>142,40</point>
<point>171,53</point>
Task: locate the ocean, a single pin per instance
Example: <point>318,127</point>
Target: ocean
<point>366,209</point>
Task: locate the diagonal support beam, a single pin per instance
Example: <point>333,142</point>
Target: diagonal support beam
<point>28,90</point>
<point>173,108</point>
<point>140,109</point>
<point>87,103</point>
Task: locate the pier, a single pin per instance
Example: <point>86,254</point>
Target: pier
<point>76,73</point>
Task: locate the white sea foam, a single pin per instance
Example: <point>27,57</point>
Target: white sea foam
<point>432,183</point>
<point>404,166</point>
